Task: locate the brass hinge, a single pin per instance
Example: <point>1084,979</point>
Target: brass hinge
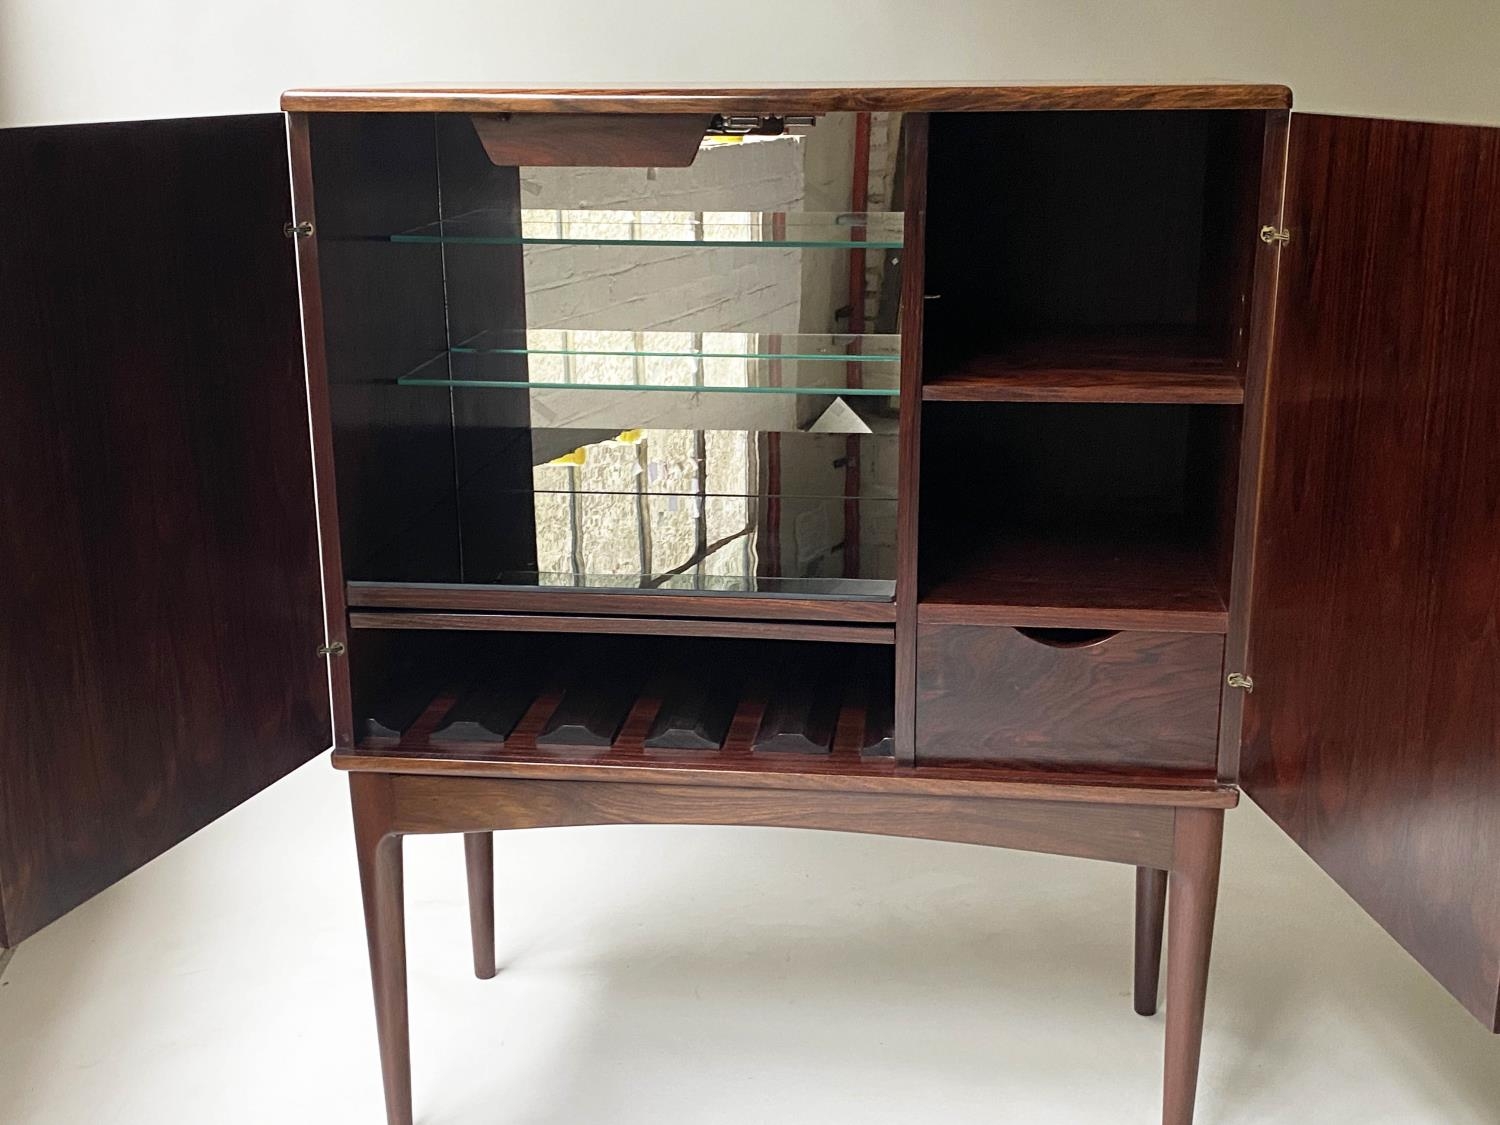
<point>335,649</point>
<point>1272,235</point>
<point>298,230</point>
<point>1240,680</point>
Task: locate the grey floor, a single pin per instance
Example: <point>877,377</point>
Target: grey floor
<point>711,975</point>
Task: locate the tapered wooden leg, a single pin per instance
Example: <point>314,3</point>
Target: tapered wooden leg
<point>1150,908</point>
<point>479,858</point>
<point>1193,891</point>
<point>380,877</point>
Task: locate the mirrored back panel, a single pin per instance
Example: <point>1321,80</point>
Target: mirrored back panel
<point>638,352</point>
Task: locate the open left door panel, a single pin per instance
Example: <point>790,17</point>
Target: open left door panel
<point>1372,735</point>
<point>160,592</point>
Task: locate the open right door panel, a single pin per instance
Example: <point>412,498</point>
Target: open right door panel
<point>1372,735</point>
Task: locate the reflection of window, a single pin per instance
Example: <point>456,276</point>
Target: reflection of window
<point>573,224</point>
<point>579,357</point>
<point>655,508</point>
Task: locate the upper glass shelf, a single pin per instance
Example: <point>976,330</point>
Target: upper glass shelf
<point>576,227</point>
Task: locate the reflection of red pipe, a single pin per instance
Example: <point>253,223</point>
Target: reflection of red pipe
<point>859,199</point>
<point>773,449</point>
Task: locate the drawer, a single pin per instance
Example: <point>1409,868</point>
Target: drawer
<point>1068,698</point>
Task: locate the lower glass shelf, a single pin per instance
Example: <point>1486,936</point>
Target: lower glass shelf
<point>625,361</point>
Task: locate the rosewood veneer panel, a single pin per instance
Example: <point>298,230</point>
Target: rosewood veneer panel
<point>160,593</point>
<point>1123,833</point>
<point>781,99</point>
<point>546,599</point>
<point>1122,701</point>
<point>1373,733</point>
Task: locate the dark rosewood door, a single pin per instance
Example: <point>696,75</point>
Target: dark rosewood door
<point>1373,732</point>
<point>159,597</point>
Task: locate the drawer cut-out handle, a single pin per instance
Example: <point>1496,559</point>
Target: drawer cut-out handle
<point>1068,638</point>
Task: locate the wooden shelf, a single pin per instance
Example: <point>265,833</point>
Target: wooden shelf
<point>466,598</point>
<point>988,380</point>
<point>1105,581</point>
<point>625,626</point>
<point>1149,365</point>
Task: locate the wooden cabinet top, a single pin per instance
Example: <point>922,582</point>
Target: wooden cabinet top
<point>807,99</point>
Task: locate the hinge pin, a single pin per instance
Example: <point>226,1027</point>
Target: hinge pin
<point>303,229</point>
<point>1271,235</point>
<point>1240,680</point>
<point>335,649</point>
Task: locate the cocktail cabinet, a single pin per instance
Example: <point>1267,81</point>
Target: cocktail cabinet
<point>1031,466</point>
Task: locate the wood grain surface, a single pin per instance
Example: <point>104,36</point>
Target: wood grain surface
<point>659,626</point>
<point>1240,534</point>
<point>1104,580</point>
<point>636,140</point>
<point>1136,701</point>
<point>1122,833</point>
<point>1373,729</point>
<point>822,774</point>
<point>458,598</point>
<point>159,596</point>
<point>781,99</point>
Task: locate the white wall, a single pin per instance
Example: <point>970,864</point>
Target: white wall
<point>89,60</point>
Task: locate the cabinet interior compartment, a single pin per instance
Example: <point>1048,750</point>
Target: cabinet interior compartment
<point>1069,251</point>
<point>1069,515</point>
<point>623,377</point>
<point>624,698</point>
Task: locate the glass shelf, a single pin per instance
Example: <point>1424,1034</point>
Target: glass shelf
<point>866,348</point>
<point>671,498</point>
<point>557,227</point>
<point>880,589</point>
<point>679,362</point>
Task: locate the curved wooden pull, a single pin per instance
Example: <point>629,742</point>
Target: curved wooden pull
<point>627,140</point>
<point>1068,638</point>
